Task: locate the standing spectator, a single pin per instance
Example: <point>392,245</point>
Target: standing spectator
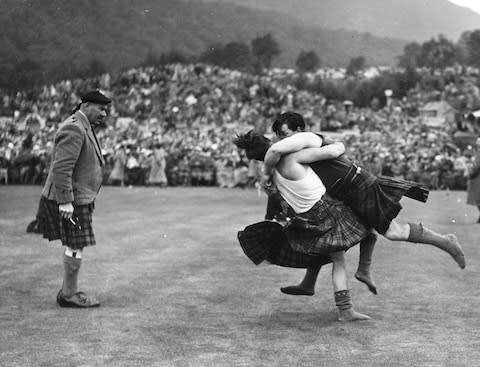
<point>25,161</point>
<point>224,172</point>
<point>134,170</point>
<point>4,166</point>
<point>117,176</point>
<point>473,184</point>
<point>158,164</point>
<point>460,170</point>
<point>68,197</point>
<point>184,176</point>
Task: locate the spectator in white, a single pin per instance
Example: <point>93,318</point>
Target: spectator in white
<point>117,176</point>
<point>158,164</point>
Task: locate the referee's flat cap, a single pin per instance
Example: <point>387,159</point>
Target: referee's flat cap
<point>95,96</point>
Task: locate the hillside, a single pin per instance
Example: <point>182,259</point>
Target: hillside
<point>59,33</point>
<point>405,19</point>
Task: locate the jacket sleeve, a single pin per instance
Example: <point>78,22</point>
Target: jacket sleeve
<point>68,144</point>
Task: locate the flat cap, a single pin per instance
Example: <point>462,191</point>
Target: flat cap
<point>95,96</point>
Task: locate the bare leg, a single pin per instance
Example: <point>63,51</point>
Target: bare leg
<point>342,294</point>
<point>417,233</point>
<point>363,271</point>
<point>307,286</point>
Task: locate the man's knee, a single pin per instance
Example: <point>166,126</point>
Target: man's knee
<point>74,253</point>
<point>337,257</point>
<point>397,231</point>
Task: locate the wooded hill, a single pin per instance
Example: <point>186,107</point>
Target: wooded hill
<point>60,36</point>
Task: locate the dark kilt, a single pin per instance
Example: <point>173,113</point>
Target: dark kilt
<point>56,228</point>
<point>375,200</point>
<point>329,226</point>
<point>307,239</point>
<point>266,241</point>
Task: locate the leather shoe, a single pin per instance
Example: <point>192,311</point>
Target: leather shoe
<point>77,300</point>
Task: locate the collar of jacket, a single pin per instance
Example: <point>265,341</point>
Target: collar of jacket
<point>88,128</point>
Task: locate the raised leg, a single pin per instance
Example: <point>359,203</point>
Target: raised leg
<point>417,233</point>
<point>362,274</point>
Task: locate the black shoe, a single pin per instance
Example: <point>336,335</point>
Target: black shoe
<point>77,300</point>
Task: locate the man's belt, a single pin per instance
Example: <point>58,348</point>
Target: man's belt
<point>351,175</point>
<point>342,184</point>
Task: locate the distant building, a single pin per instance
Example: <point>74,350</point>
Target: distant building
<point>436,114</point>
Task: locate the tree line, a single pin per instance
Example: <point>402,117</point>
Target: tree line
<point>254,57</point>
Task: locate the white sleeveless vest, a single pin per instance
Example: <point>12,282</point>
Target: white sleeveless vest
<point>301,194</point>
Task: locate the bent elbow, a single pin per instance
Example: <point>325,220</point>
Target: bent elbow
<point>274,154</point>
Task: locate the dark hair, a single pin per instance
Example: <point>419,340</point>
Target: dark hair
<point>254,144</point>
<point>293,120</point>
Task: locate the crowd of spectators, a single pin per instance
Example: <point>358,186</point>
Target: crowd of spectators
<point>173,125</point>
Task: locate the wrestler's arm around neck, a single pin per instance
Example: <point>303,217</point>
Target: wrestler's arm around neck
<point>299,142</point>
<point>293,166</point>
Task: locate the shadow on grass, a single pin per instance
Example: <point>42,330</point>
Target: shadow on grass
<point>301,321</point>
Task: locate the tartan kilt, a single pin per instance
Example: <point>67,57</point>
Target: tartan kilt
<point>376,200</point>
<point>266,241</point>
<point>54,227</point>
<point>329,226</point>
<point>287,257</point>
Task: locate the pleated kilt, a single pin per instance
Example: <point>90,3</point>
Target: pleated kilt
<point>266,241</point>
<point>376,200</point>
<point>329,226</point>
<point>307,239</point>
<point>56,228</point>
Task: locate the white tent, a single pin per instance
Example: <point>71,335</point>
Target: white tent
<point>437,113</point>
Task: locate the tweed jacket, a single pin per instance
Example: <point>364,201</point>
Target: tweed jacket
<point>76,170</point>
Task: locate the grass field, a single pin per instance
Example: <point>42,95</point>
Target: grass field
<point>176,290</point>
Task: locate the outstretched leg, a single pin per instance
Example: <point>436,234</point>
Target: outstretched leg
<point>417,233</point>
<point>363,271</point>
<point>341,292</point>
<point>307,286</point>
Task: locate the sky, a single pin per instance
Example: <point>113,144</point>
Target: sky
<point>472,4</point>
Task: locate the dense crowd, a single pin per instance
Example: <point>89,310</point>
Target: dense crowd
<point>174,124</point>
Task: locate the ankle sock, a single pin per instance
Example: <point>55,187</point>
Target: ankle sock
<point>343,300</point>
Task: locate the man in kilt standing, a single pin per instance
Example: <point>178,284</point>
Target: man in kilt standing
<point>69,193</point>
<point>375,200</point>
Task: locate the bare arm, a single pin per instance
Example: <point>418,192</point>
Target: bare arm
<point>310,155</point>
<point>288,145</point>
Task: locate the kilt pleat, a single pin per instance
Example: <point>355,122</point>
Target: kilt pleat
<point>329,226</point>
<point>56,228</point>
<point>266,241</point>
<point>308,238</point>
<point>376,200</point>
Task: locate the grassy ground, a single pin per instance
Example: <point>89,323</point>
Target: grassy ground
<point>176,290</point>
